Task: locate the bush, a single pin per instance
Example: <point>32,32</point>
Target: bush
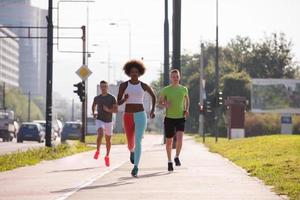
<point>296,124</point>
<point>262,124</point>
<point>267,124</point>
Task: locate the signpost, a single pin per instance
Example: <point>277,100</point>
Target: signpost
<point>84,72</point>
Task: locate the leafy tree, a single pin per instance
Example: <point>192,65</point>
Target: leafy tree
<point>18,102</point>
<point>236,84</point>
<point>270,58</point>
<point>239,61</point>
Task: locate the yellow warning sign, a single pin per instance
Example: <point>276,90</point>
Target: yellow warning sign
<point>83,72</point>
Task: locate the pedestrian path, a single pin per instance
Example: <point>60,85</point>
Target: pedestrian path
<point>203,175</point>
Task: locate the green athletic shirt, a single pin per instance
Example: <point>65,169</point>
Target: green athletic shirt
<point>176,96</point>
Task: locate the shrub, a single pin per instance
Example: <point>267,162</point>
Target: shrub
<point>262,124</point>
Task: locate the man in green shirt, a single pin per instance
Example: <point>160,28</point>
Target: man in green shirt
<point>176,101</point>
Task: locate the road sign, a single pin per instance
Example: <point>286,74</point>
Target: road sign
<point>83,72</point>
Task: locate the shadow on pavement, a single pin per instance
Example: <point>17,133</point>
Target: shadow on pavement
<point>73,170</point>
<point>142,169</point>
<point>115,184</point>
<point>146,175</point>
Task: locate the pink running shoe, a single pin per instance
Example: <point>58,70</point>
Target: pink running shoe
<point>106,159</point>
<point>96,155</point>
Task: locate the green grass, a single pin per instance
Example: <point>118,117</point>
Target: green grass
<point>34,156</point>
<point>274,159</point>
<point>118,138</point>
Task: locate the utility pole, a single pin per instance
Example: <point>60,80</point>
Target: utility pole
<point>176,41</point>
<point>3,100</point>
<point>166,46</point>
<point>176,34</point>
<point>72,117</point>
<point>217,74</point>
<point>201,103</point>
<point>84,102</point>
<point>29,107</point>
<point>49,74</point>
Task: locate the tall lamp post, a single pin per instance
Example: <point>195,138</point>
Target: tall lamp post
<point>217,74</point>
<point>49,74</point>
<point>176,34</point>
<point>166,46</point>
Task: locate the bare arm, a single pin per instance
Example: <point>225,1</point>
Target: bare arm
<point>150,91</point>
<point>186,105</point>
<point>161,101</point>
<point>94,108</point>
<point>120,99</point>
<point>114,108</point>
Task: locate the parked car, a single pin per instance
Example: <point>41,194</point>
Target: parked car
<point>30,131</point>
<point>54,134</point>
<point>71,131</point>
<point>91,126</point>
<point>8,125</point>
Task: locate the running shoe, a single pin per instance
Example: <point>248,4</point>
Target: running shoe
<point>96,155</point>
<point>170,167</point>
<point>134,171</point>
<point>177,161</point>
<point>132,157</point>
<point>106,159</point>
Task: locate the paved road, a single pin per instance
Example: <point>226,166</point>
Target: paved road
<point>10,147</point>
<point>203,175</point>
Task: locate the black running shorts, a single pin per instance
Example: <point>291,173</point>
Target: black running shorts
<point>173,125</point>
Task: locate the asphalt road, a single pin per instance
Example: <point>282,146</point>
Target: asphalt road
<point>10,147</point>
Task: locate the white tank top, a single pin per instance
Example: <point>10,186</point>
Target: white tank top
<point>136,93</point>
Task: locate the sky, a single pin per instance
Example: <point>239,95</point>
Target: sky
<point>143,20</point>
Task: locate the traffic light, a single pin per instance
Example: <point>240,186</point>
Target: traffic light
<point>220,98</point>
<point>80,90</point>
<point>207,107</point>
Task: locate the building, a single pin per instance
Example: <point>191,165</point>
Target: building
<point>9,58</point>
<point>32,52</point>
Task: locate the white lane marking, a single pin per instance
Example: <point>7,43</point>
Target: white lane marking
<point>88,182</point>
<point>93,179</point>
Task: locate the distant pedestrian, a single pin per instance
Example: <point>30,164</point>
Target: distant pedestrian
<point>132,94</point>
<point>106,104</point>
<point>175,99</point>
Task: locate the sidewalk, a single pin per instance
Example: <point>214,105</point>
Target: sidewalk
<point>51,180</point>
<point>203,175</point>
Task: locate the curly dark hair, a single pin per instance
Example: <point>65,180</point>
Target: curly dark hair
<point>139,65</point>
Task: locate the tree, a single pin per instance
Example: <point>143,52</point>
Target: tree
<point>236,84</point>
<point>270,58</point>
<point>239,61</point>
<point>18,102</point>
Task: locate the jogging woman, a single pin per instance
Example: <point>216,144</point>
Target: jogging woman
<point>132,94</point>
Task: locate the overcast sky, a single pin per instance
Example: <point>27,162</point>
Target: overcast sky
<point>144,18</point>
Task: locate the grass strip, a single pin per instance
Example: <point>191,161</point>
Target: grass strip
<point>274,159</point>
<point>116,139</point>
<point>36,155</point>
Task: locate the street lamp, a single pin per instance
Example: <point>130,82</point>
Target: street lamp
<point>217,72</point>
<point>129,34</point>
